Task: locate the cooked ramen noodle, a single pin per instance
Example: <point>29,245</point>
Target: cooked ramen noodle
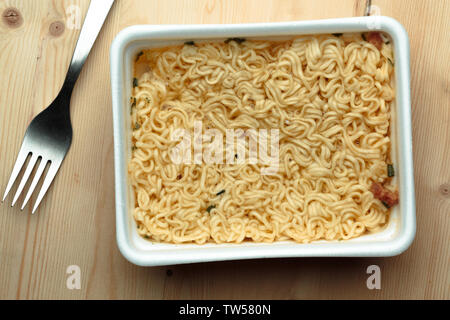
<point>329,98</point>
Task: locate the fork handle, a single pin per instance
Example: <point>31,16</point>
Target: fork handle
<point>96,15</point>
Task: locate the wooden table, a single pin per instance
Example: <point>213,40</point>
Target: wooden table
<point>75,224</point>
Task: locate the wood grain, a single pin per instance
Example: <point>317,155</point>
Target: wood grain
<point>75,224</point>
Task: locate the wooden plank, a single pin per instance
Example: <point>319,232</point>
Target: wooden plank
<point>76,222</point>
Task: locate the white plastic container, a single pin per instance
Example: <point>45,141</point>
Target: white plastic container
<point>393,240</point>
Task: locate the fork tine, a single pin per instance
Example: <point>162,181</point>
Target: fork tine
<point>54,167</point>
<point>35,181</point>
<point>17,167</point>
<point>25,177</point>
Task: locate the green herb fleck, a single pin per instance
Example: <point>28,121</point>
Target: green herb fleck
<point>387,42</point>
<point>137,126</point>
<point>139,55</point>
<point>363,36</point>
<point>220,192</point>
<point>390,170</point>
<point>135,82</point>
<point>337,34</point>
<point>390,61</point>
<point>237,40</point>
<point>210,208</point>
<point>133,148</point>
<point>133,103</point>
<point>146,237</point>
<point>190,43</point>
<point>385,204</point>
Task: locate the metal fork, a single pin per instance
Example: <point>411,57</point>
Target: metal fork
<point>49,135</point>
